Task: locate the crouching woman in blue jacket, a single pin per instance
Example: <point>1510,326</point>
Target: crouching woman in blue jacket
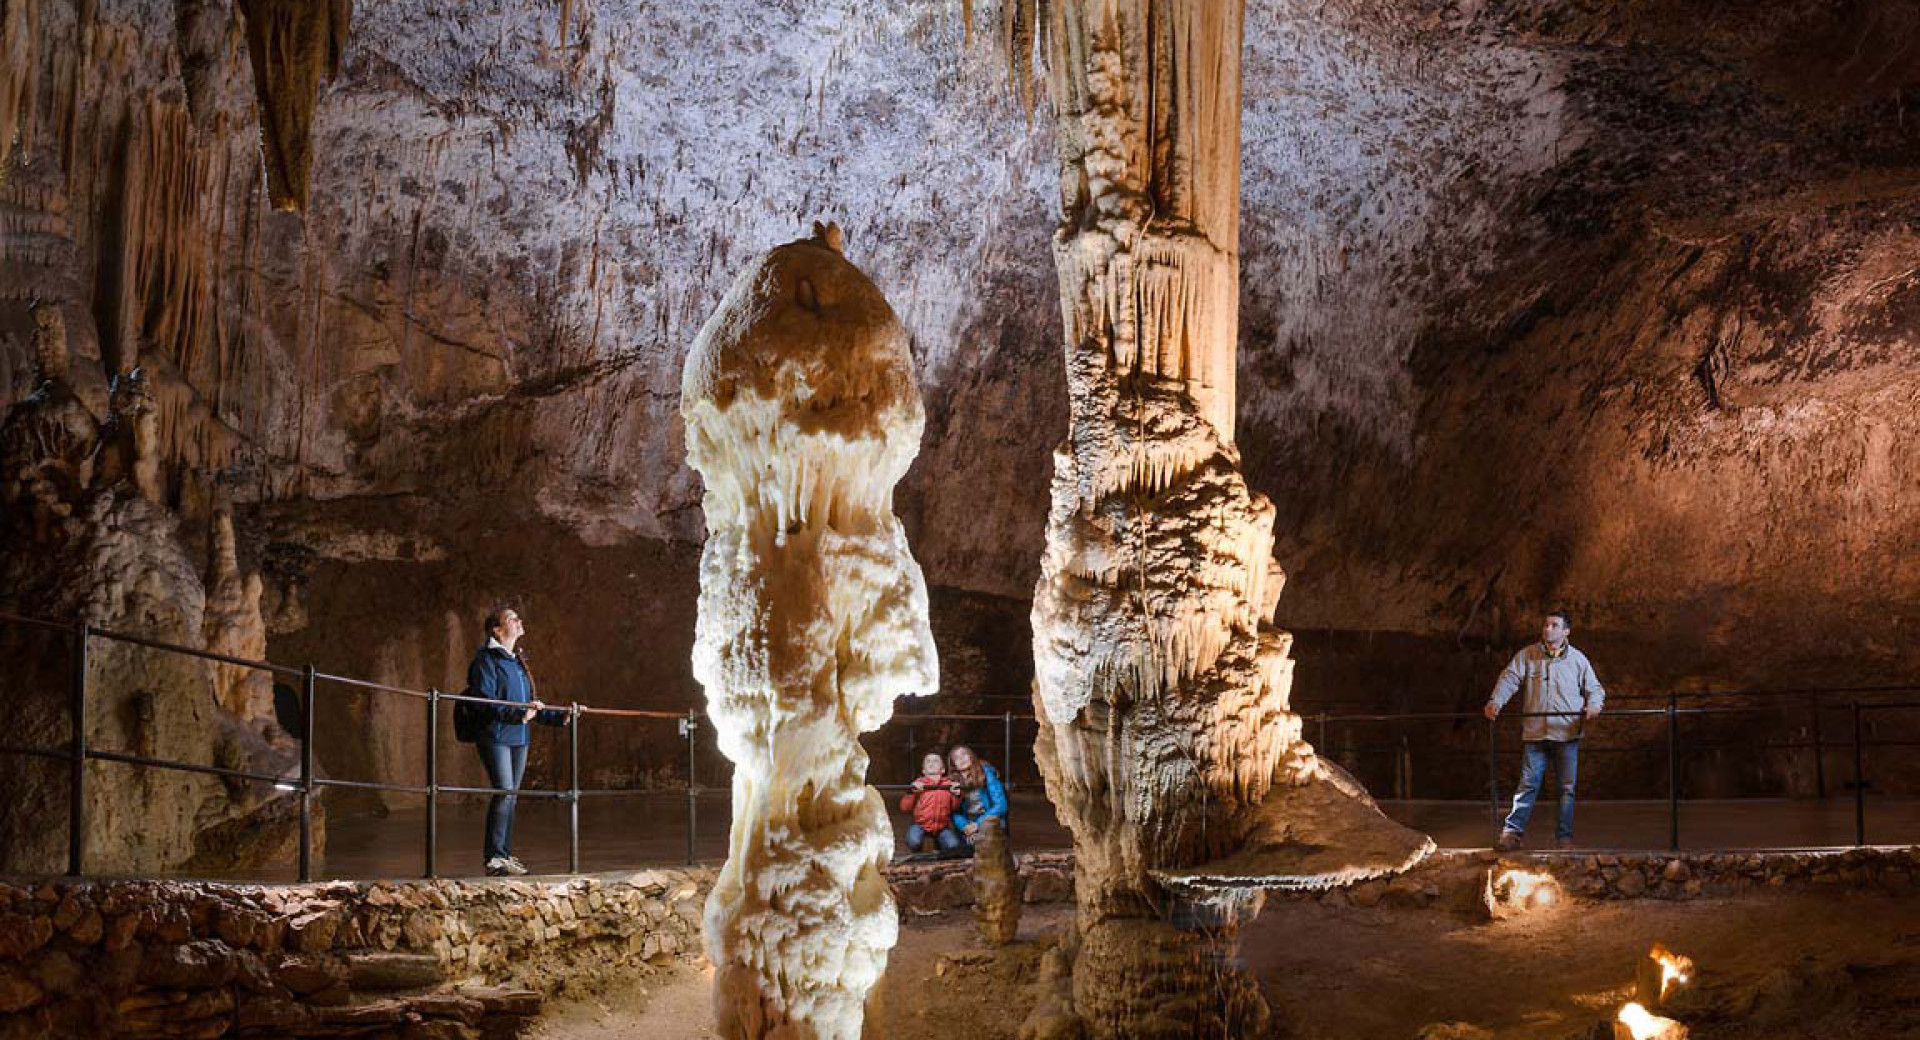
<point>498,673</point>
<point>982,797</point>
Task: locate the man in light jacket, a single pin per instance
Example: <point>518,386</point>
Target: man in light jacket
<point>1562,693</point>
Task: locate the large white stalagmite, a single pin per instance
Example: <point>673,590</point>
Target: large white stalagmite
<point>1167,743</point>
<point>802,412</point>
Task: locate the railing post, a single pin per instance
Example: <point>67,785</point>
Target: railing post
<point>1819,752</point>
<point>687,727</point>
<point>1406,757</point>
<point>1859,781</point>
<point>573,790</point>
<point>1493,769</point>
<point>433,782</point>
<point>1006,754</point>
<point>77,755</point>
<point>306,775</point>
<point>1673,770</point>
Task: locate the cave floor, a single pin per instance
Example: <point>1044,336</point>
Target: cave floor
<point>652,830</point>
<point>1787,964</point>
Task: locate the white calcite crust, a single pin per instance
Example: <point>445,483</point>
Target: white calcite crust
<point>802,412</point>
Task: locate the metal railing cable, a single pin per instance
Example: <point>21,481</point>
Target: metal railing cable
<point>307,785</point>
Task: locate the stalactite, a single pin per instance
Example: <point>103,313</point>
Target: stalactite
<point>1018,19</point>
<point>168,252</point>
<point>19,77</point>
<point>200,37</point>
<point>295,47</point>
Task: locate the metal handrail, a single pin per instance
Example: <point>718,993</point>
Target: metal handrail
<point>307,784</point>
<point>368,684</point>
<point>20,749</point>
<point>188,651</point>
<point>1772,691</point>
<point>185,767</point>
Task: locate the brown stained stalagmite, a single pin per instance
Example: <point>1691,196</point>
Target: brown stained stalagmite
<point>1167,742</point>
<point>296,47</point>
<point>234,626</point>
<point>997,886</point>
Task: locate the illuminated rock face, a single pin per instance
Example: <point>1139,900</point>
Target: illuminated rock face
<point>802,413</point>
<point>1167,742</point>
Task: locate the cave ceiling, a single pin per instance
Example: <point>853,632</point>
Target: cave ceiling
<point>1613,301</point>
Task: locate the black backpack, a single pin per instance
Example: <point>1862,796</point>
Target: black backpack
<point>469,720</point>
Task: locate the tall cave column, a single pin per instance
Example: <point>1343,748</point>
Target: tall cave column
<point>802,413</point>
<point>1167,742</point>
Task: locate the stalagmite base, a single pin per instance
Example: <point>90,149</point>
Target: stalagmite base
<point>1166,742</point>
<point>802,413</point>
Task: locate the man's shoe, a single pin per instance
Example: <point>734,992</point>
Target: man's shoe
<point>1563,843</point>
<point>1509,840</point>
<point>504,866</point>
<point>518,867</point>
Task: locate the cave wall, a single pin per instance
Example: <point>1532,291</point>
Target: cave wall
<point>1608,304</point>
<point>1654,359</point>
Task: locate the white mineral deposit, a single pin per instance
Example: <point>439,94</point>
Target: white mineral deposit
<point>802,412</point>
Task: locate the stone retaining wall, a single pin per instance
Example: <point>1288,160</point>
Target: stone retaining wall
<point>1684,875</point>
<point>1687,875</point>
<point>400,960</point>
<point>414,960</point>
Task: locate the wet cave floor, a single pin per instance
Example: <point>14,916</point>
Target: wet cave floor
<point>1800,963</point>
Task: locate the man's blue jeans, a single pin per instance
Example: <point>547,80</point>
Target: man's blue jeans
<point>947,838</point>
<point>505,766</point>
<point>1533,771</point>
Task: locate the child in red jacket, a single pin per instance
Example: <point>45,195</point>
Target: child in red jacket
<point>932,801</point>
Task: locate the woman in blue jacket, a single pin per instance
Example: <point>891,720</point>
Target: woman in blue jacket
<point>981,795</point>
<point>498,673</point>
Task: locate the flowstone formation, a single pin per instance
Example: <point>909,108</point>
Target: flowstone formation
<point>802,412</point>
<point>1167,743</point>
<point>91,540</point>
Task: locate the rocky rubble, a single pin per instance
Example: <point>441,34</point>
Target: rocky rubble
<point>925,889</point>
<point>419,960</point>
